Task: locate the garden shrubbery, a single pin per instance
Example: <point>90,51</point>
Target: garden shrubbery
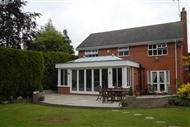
<point>184,91</point>
<point>23,71</point>
<point>20,71</point>
<point>50,73</point>
<point>183,98</point>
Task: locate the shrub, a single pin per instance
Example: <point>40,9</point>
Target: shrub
<point>2,98</point>
<point>184,91</point>
<point>50,73</point>
<point>19,98</point>
<point>40,88</point>
<point>130,91</point>
<point>180,102</point>
<point>21,70</point>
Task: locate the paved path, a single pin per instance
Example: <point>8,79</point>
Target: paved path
<point>77,101</point>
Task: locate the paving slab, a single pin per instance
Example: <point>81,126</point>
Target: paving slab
<point>161,122</point>
<point>137,114</point>
<point>149,117</point>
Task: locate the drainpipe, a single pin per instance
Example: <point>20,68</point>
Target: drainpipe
<point>140,78</point>
<point>175,66</point>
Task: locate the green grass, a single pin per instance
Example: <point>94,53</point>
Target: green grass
<point>31,115</point>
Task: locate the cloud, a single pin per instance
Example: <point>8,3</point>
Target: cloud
<point>81,18</point>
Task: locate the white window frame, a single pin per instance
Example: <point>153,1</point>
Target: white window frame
<point>91,53</point>
<point>123,50</point>
<point>166,81</point>
<point>157,49</point>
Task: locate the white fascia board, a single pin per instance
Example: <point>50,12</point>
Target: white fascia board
<point>119,63</point>
<point>130,44</point>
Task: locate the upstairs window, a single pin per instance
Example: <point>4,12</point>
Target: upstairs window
<point>157,50</point>
<point>91,53</point>
<point>123,51</point>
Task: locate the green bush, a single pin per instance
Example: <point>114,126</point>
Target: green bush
<point>2,98</point>
<point>180,102</point>
<point>130,91</point>
<point>184,91</point>
<point>21,70</point>
<point>41,88</point>
<point>50,73</point>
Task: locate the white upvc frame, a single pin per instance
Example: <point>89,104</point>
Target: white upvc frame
<point>158,83</point>
<point>158,47</point>
<point>123,49</point>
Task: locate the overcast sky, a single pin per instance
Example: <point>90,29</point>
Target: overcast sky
<point>83,17</point>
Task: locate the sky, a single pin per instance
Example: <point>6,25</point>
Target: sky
<point>83,17</point>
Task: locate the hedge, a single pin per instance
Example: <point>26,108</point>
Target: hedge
<point>50,73</point>
<point>20,71</point>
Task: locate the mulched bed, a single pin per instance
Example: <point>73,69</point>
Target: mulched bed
<point>22,100</point>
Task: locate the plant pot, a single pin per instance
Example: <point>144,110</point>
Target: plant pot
<point>41,96</point>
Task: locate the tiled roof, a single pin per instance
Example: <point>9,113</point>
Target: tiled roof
<point>146,34</point>
<point>96,59</point>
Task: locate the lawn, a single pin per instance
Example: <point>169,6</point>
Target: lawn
<point>32,115</point>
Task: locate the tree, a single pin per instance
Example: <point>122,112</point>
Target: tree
<point>48,26</point>
<point>52,40</point>
<point>187,61</point>
<point>17,28</point>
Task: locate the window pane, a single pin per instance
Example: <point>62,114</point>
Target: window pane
<point>150,47</point>
<point>96,79</point>
<point>119,77</point>
<point>150,52</point>
<point>162,88</point>
<point>126,53</point>
<point>104,78</point>
<point>154,52</point>
<point>88,80</point>
<point>159,52</point>
<point>120,53</point>
<point>74,80</point>
<point>81,80</point>
<point>65,77</point>
<point>164,51</point>
<point>114,76</point>
<point>154,46</point>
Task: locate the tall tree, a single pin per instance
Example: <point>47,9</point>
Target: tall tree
<point>17,28</point>
<point>52,40</point>
<point>48,26</point>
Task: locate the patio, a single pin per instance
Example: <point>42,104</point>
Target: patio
<point>89,101</point>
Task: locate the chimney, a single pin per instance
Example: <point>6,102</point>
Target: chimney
<point>183,15</point>
<point>185,45</point>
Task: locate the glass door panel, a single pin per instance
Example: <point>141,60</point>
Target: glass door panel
<point>81,80</point>
<point>96,79</point>
<point>74,80</point>
<point>119,77</point>
<point>104,78</point>
<point>88,80</point>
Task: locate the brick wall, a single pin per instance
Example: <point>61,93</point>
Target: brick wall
<point>140,54</point>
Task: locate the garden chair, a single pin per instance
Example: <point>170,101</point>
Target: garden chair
<point>100,93</point>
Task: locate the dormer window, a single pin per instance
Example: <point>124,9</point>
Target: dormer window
<point>123,51</point>
<point>157,50</point>
<point>91,53</point>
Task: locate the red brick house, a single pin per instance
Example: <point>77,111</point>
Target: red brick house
<point>147,58</point>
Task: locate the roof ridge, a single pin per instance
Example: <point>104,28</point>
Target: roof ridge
<point>137,27</point>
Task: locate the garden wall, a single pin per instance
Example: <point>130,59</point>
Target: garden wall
<point>148,101</point>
